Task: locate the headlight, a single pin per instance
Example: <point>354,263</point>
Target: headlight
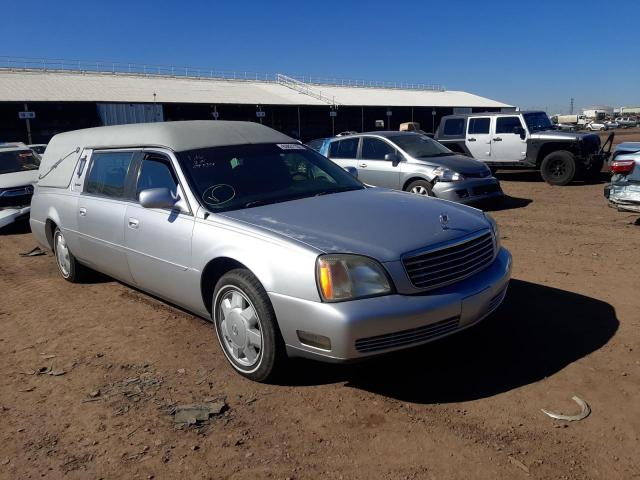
<point>495,229</point>
<point>446,175</point>
<point>347,277</point>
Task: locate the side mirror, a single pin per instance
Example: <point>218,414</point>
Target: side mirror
<point>394,158</point>
<point>520,131</point>
<point>352,170</point>
<point>157,198</point>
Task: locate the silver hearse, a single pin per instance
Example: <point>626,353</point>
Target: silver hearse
<point>285,251</point>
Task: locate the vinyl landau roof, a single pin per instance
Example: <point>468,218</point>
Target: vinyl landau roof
<point>63,152</point>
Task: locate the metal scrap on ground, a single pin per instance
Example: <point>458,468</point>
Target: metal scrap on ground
<point>586,410</point>
<point>197,413</point>
<point>34,252</point>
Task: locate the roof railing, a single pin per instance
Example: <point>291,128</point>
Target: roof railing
<point>149,70</point>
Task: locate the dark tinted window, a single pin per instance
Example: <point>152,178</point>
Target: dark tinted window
<point>419,146</point>
<point>479,125</point>
<point>108,173</point>
<point>454,126</point>
<point>316,144</point>
<point>507,124</point>
<point>344,148</point>
<point>245,176</point>
<point>156,173</point>
<point>375,149</point>
<point>12,161</point>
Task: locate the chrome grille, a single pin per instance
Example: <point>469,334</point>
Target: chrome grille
<point>450,264</point>
<point>407,337</point>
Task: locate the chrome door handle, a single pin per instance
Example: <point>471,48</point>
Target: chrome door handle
<point>497,139</point>
<point>471,139</point>
<point>362,165</point>
<point>133,223</point>
<point>82,211</point>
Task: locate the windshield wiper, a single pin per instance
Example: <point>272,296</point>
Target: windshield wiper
<point>336,190</point>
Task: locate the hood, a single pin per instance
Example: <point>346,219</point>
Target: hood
<point>561,135</point>
<point>18,179</point>
<point>457,163</point>
<point>380,223</point>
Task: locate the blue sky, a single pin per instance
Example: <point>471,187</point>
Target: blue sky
<point>532,54</point>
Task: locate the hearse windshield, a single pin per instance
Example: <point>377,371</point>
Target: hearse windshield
<point>420,146</point>
<point>537,121</point>
<point>245,176</point>
<point>13,161</point>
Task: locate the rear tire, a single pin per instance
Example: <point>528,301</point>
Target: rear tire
<point>247,327</point>
<point>420,187</point>
<point>68,266</point>
<point>558,168</point>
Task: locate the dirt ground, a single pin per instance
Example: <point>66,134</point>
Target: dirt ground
<point>464,407</point>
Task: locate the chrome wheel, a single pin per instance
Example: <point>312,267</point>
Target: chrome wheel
<point>419,190</point>
<point>239,327</point>
<point>62,254</point>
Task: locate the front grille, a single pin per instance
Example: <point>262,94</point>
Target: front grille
<point>485,189</point>
<point>450,264</point>
<point>483,174</point>
<point>16,197</point>
<point>407,337</point>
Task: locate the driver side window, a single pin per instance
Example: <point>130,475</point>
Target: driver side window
<point>155,172</point>
<point>375,149</point>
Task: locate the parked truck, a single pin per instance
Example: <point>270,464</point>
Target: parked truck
<point>576,121</point>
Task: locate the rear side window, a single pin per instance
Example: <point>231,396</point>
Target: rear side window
<point>507,124</point>
<point>108,174</point>
<point>375,149</point>
<point>347,148</point>
<point>156,173</point>
<point>454,126</point>
<point>479,125</point>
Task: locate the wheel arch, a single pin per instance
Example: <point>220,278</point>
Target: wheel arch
<point>412,179</point>
<point>212,272</point>
<point>50,224</point>
<point>555,147</point>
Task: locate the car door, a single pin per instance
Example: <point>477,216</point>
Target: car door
<point>373,169</point>
<point>158,240</point>
<point>344,152</point>
<point>101,211</point>
<point>507,143</point>
<point>479,138</point>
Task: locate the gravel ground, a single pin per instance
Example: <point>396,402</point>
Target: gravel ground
<point>90,373</point>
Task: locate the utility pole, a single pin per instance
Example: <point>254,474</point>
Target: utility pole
<point>571,107</point>
<point>26,108</point>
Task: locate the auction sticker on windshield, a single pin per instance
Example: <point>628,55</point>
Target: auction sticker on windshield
<point>291,146</point>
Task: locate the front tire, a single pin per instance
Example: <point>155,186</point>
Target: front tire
<point>420,187</point>
<point>558,168</point>
<point>68,266</point>
<point>246,326</point>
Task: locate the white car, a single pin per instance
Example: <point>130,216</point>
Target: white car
<point>593,126</point>
<point>18,174</point>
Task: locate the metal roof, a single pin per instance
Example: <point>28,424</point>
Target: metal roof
<point>68,86</point>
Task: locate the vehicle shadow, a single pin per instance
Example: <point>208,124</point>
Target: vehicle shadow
<point>534,176</point>
<point>19,227</point>
<point>537,332</point>
<point>505,203</point>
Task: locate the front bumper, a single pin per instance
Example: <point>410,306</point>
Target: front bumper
<point>469,190</point>
<point>372,326</point>
<point>9,215</point>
